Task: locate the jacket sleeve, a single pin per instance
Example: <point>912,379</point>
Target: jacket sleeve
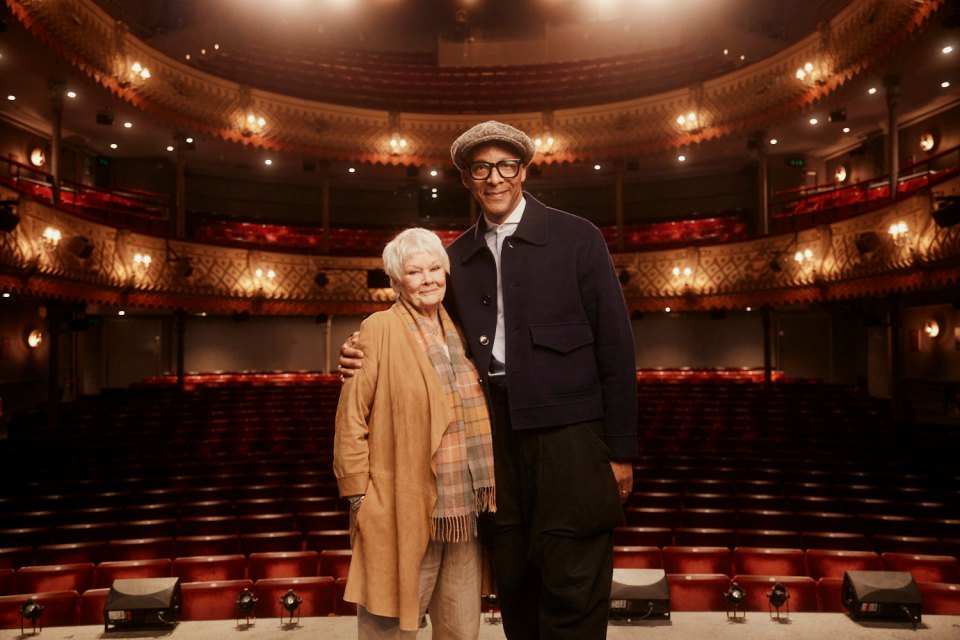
<point>613,335</point>
<point>351,447</point>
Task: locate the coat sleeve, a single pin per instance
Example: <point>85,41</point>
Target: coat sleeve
<point>351,446</point>
<point>613,335</point>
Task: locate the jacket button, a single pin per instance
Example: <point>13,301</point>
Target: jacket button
<point>486,300</point>
<point>484,340</point>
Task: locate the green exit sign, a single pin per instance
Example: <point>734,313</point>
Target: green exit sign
<point>796,162</point>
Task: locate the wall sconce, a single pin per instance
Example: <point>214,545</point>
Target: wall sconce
<point>812,73</point>
<point>142,261</point>
<point>398,144</point>
<point>51,237</point>
<point>685,272</point>
<point>140,71</point>
<point>840,174</point>
<point>34,338</point>
<point>688,121</point>
<point>928,142</point>
<point>270,274</point>
<point>803,258</point>
<point>37,157</point>
<point>931,328</point>
<point>899,231</point>
<point>544,144</point>
<point>253,124</point>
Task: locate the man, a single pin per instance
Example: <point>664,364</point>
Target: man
<point>544,318</point>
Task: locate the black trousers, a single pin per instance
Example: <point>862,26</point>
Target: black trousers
<point>552,535</point>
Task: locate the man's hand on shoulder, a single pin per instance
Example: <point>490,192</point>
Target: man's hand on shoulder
<point>351,358</point>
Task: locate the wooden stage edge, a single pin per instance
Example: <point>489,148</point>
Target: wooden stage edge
<point>686,625</point>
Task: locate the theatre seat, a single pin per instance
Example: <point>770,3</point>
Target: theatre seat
<point>704,537</point>
<point>318,594</point>
<point>322,520</point>
<point>626,557</point>
<point>212,600</point>
<point>829,590</point>
<point>219,568</point>
<point>59,610</point>
<point>107,572</point>
<point>341,606</point>
<point>336,562</point>
<point>833,563</point>
<point>91,606</point>
<point>271,541</point>
<point>769,562</point>
<point>139,549</point>
<point>642,536</point>
<point>49,578</point>
<point>801,589</point>
<point>71,552</point>
<point>16,557</point>
<point>282,564</point>
<point>212,525</point>
<point>7,579</point>
<point>687,560</point>
<point>836,540</point>
<point>701,592</point>
<point>320,541</point>
<point>940,599</point>
<point>925,568</point>
<point>189,546</point>
<point>921,545</point>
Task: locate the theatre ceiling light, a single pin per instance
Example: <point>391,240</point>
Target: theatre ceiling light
<point>34,338</point>
<point>840,174</point>
<point>931,328</point>
<point>928,142</point>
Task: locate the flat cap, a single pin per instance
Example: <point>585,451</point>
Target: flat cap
<point>488,132</point>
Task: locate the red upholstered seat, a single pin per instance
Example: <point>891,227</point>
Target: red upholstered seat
<point>700,592</point>
<point>329,539</point>
<point>282,564</point>
<point>49,578</point>
<point>214,525</point>
<point>769,562</point>
<point>85,532</point>
<point>704,537</point>
<point>91,606</point>
<point>140,549</point>
<point>940,599</point>
<point>59,610</point>
<point>907,544</point>
<point>690,560</point>
<point>768,538</point>
<point>829,590</point>
<point>212,600</point>
<point>271,541</point>
<point>16,557</point>
<point>341,606</point>
<point>336,562</point>
<point>71,552</point>
<point>217,568</point>
<point>318,594</point>
<point>189,546</point>
<point>156,528</point>
<point>626,557</point>
<point>835,540</point>
<point>323,520</point>
<point>7,580</point>
<point>642,536</point>
<point>107,572</point>
<point>925,568</point>
<point>833,563</point>
<point>801,589</point>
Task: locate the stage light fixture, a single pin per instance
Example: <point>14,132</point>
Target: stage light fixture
<point>777,597</point>
<point>31,610</point>
<point>246,601</point>
<point>291,603</point>
<point>735,596</point>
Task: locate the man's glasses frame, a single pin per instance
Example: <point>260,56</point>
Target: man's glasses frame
<point>508,169</point>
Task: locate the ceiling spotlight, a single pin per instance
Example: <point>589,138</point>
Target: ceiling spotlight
<point>291,603</point>
<point>814,121</point>
<point>735,596</point>
<point>596,167</point>
<point>773,141</point>
<point>840,174</point>
<point>113,145</point>
<point>71,94</point>
<point>127,125</point>
<point>681,158</point>
<point>945,84</point>
<point>268,162</point>
<point>931,328</point>
<point>872,90</point>
<point>35,338</point>
<point>947,49</point>
<point>927,142</point>
<point>351,170</point>
<point>37,157</point>
<point>846,129</point>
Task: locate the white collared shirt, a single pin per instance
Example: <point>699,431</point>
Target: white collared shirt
<point>495,235</point>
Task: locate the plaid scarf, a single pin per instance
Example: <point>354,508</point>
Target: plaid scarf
<point>464,459</point>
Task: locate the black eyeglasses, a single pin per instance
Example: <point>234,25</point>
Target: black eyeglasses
<point>506,168</point>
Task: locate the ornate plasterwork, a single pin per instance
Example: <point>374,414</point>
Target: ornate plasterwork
<point>732,275</point>
<point>744,100</point>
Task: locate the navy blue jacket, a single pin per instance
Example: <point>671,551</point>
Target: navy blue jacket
<point>569,345</point>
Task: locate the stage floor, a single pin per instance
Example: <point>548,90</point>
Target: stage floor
<point>715,626</point>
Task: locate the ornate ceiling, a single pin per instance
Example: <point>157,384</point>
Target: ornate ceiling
<point>740,101</point>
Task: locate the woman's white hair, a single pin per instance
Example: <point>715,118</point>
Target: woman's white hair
<point>407,243</point>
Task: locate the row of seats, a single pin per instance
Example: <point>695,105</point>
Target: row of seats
<point>321,596</point>
<point>80,576</point>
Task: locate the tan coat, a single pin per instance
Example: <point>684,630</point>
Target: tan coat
<point>390,418</point>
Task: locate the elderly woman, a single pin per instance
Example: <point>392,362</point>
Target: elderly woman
<point>413,454</point>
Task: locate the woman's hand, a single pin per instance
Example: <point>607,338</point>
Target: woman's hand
<point>351,358</point>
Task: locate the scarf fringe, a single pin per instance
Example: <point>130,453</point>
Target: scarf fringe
<point>463,527</point>
<point>487,500</point>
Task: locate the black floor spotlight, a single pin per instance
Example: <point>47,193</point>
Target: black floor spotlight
<point>778,597</point>
<point>492,608</point>
<point>246,601</point>
<point>735,596</point>
<point>291,603</point>
<point>31,610</point>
